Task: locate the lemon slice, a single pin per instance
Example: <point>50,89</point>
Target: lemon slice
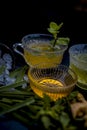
<point>51,83</point>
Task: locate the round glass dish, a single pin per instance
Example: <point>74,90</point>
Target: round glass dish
<point>56,81</point>
<point>78,63</point>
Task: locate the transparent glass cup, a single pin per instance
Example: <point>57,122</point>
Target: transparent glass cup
<point>37,48</point>
<point>78,62</point>
<point>54,80</point>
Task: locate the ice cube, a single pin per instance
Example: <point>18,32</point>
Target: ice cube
<point>2,62</point>
<point>9,80</point>
<point>9,66</point>
<point>24,85</point>
<point>2,78</point>
<point>7,71</point>
<point>26,78</point>
<point>7,57</point>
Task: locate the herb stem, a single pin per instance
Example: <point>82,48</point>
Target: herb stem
<point>17,106</point>
<point>54,42</point>
<point>17,84</point>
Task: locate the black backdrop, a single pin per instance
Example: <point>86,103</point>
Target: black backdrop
<point>21,18</point>
<point>33,16</point>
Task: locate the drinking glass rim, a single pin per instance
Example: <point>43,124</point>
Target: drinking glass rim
<point>72,51</point>
<point>43,35</point>
<point>31,35</point>
<point>59,88</point>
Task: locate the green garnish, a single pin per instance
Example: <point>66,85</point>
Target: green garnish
<point>28,108</point>
<point>54,29</point>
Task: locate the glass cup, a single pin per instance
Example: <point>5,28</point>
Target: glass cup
<point>37,48</point>
<point>54,80</point>
<point>78,62</point>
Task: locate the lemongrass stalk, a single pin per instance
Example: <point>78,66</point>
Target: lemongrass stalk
<point>14,85</point>
<point>17,106</point>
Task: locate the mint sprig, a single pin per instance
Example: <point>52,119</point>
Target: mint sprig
<point>54,29</point>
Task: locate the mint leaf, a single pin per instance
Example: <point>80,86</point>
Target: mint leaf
<point>54,29</point>
<point>54,25</point>
<point>51,30</point>
<point>63,40</point>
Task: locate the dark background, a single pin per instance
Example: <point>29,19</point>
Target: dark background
<point>18,19</point>
<point>21,18</point>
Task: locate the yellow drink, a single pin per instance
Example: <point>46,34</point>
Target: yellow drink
<point>79,65</point>
<point>38,48</point>
<point>56,81</point>
<point>42,52</point>
<point>47,86</point>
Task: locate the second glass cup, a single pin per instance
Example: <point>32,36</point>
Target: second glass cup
<point>37,48</point>
<point>54,80</point>
<point>78,62</point>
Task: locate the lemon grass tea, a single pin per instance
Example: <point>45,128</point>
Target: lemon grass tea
<point>38,48</point>
<point>48,83</point>
<point>78,62</point>
<point>42,51</point>
<point>56,81</point>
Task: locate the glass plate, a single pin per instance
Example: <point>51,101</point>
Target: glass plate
<point>84,87</point>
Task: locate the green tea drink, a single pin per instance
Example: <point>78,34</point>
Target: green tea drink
<point>39,48</point>
<point>47,82</point>
<point>42,51</point>
<point>78,62</point>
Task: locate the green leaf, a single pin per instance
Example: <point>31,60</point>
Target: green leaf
<point>4,106</point>
<point>64,119</point>
<point>55,36</point>
<point>46,121</point>
<point>51,30</point>
<point>71,128</point>
<point>54,26</point>
<point>17,106</point>
<point>19,73</point>
<point>47,101</point>
<point>54,30</point>
<point>14,85</point>
<point>63,40</point>
<point>60,25</point>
